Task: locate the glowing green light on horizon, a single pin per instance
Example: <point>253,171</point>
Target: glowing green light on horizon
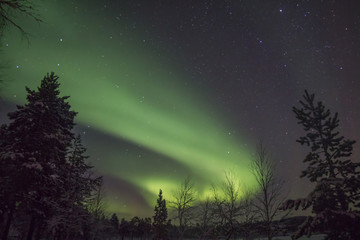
<point>130,96</point>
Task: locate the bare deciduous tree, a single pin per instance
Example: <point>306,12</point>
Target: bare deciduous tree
<point>206,219</point>
<point>228,205</point>
<point>11,8</point>
<point>269,198</point>
<point>248,212</point>
<point>183,203</point>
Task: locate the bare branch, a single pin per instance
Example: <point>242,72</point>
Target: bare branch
<point>268,199</point>
<point>11,8</point>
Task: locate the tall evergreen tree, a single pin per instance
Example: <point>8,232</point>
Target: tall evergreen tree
<point>35,148</point>
<point>160,224</point>
<point>114,222</point>
<point>123,228</point>
<point>77,187</point>
<point>44,176</point>
<point>335,200</point>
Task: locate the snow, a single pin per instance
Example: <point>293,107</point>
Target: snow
<point>313,237</point>
<point>33,166</point>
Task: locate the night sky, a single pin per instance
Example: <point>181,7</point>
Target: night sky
<point>167,89</point>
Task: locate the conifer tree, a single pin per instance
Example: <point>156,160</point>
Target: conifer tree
<point>335,201</point>
<point>123,228</point>
<point>77,187</point>
<point>114,221</point>
<point>80,182</point>
<point>35,147</point>
<point>160,224</point>
<point>44,176</point>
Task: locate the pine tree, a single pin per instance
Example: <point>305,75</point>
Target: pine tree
<point>123,228</point>
<point>77,187</point>
<point>336,198</point>
<point>145,227</point>
<point>35,148</point>
<point>79,180</point>
<point>114,222</point>
<point>6,200</point>
<point>44,173</point>
<point>160,224</point>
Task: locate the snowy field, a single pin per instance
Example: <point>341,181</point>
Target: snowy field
<point>314,237</point>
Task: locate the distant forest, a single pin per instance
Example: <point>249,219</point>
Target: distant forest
<point>48,190</point>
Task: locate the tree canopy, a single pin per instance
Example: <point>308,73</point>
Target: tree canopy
<point>336,198</point>
<point>43,170</point>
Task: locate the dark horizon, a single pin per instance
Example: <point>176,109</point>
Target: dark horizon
<point>166,90</point>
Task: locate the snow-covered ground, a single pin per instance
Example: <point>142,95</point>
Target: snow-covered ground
<point>314,237</point>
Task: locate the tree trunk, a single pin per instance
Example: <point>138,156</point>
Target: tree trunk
<point>67,234</point>
<point>8,223</point>
<point>39,230</point>
<point>229,234</point>
<point>31,228</point>
<point>2,216</point>
<point>269,231</point>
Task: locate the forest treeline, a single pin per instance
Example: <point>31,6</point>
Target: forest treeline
<point>49,191</point>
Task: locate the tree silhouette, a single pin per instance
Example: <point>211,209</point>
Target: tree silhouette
<point>145,227</point>
<point>134,227</point>
<point>44,176</point>
<point>337,192</point>
<point>123,228</point>
<point>206,218</point>
<point>11,8</point>
<point>34,151</point>
<point>248,216</point>
<point>228,205</point>
<point>114,221</point>
<point>96,208</point>
<point>269,199</point>
<point>183,204</point>
<point>77,187</point>
<point>160,224</point>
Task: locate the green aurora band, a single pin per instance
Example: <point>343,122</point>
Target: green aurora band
<point>122,87</point>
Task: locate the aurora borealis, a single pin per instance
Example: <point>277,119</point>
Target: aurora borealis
<point>166,90</point>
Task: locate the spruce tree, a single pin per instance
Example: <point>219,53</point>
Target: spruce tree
<point>79,182</point>
<point>35,148</point>
<point>335,201</point>
<point>160,224</point>
<point>114,222</point>
<point>77,187</point>
<point>123,228</point>
<point>44,175</point>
